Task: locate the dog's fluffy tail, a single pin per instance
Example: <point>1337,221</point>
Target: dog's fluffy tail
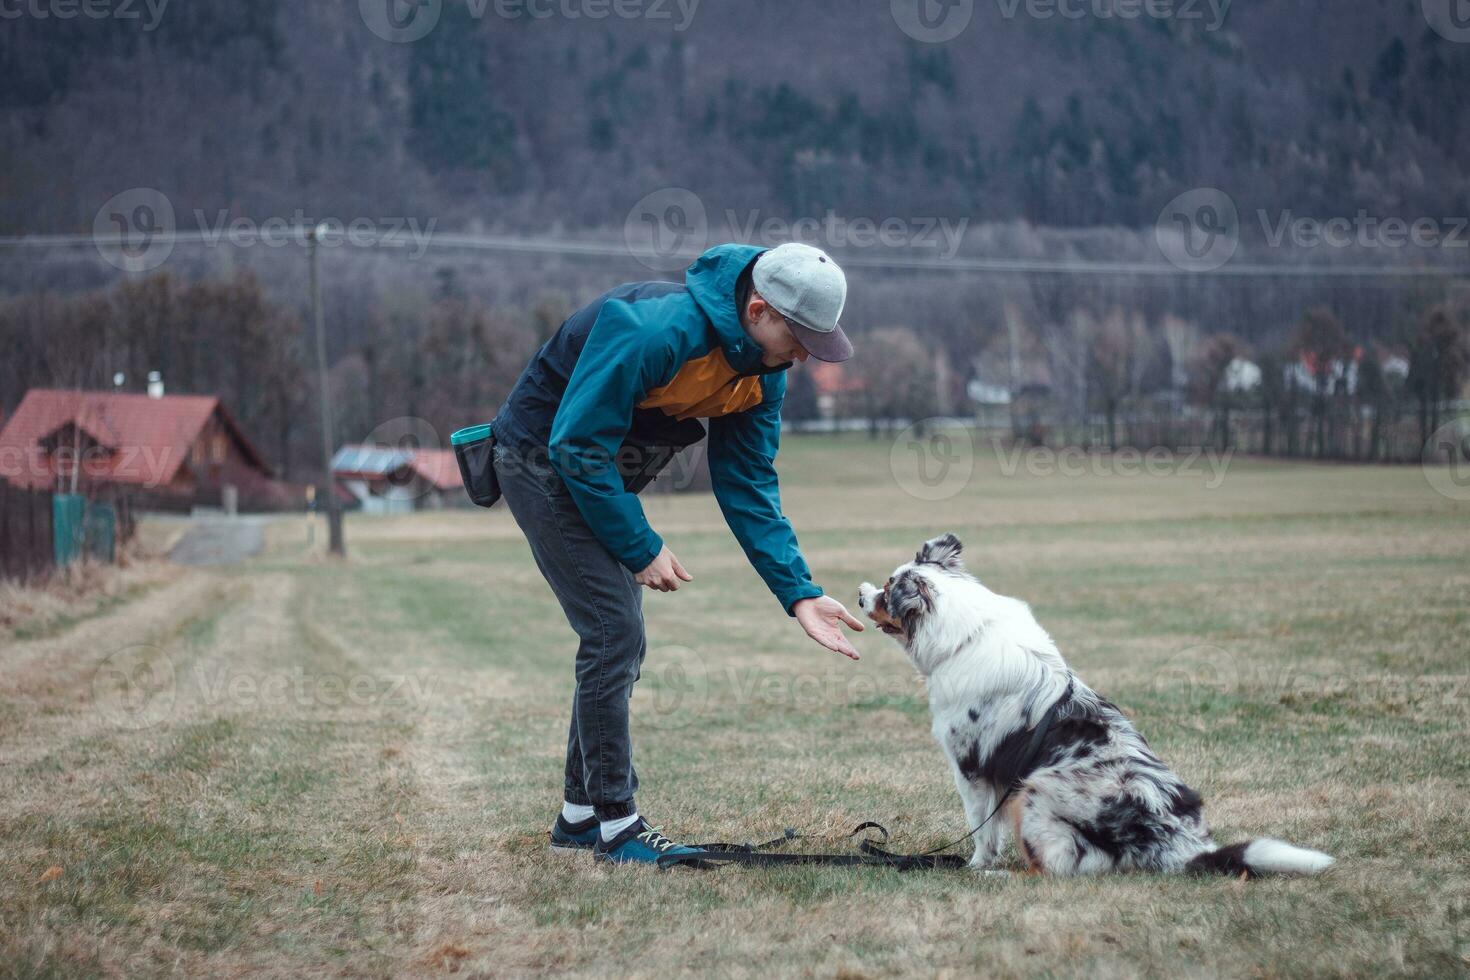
<point>1259,857</point>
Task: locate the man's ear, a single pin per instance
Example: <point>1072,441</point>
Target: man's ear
<point>943,551</point>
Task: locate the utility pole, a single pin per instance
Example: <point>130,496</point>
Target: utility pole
<point>334,507</point>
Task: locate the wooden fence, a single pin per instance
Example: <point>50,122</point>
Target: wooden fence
<point>26,548</point>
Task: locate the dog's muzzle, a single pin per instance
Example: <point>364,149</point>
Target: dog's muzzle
<point>870,601</point>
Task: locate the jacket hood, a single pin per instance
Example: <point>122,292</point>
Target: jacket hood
<point>711,280</point>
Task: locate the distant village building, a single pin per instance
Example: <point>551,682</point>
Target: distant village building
<point>831,381</point>
<point>398,481</point>
<point>1241,376</point>
<point>167,452</point>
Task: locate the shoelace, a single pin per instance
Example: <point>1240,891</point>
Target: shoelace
<point>656,840</point>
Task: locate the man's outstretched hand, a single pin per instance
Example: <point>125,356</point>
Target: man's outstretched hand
<point>820,617</point>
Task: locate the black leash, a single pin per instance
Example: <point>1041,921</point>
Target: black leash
<point>871,854</point>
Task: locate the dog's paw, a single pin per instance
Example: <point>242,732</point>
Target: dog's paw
<point>990,872</point>
<point>867,593</point>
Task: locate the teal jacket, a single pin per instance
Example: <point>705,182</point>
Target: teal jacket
<point>645,360</point>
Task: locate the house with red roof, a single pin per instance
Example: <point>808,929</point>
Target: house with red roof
<point>165,451</point>
<point>384,480</point>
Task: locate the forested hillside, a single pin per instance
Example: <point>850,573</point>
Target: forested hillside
<point>1324,107</point>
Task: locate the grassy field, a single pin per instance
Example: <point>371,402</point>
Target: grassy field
<point>293,767</point>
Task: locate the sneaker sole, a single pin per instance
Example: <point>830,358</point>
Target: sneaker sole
<point>568,849</point>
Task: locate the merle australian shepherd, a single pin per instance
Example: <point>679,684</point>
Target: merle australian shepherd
<point>1076,783</point>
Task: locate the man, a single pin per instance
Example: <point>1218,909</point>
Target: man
<point>600,408</point>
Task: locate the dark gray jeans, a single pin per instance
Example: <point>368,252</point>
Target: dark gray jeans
<point>605,607</point>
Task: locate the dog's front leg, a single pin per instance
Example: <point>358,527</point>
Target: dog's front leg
<point>979,800</point>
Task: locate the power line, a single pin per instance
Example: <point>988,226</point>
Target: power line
<point>530,245</point>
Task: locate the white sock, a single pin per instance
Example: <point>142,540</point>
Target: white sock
<point>575,812</point>
<point>611,828</point>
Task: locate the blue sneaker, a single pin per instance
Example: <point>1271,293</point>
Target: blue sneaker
<point>638,844</point>
<point>578,836</point>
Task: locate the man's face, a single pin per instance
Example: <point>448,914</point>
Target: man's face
<point>769,330</point>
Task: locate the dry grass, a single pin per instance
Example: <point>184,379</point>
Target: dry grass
<point>35,608</point>
<point>296,767</point>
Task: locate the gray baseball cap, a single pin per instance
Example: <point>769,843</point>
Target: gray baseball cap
<point>809,290</point>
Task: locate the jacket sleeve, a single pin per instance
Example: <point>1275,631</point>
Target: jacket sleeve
<point>620,362</point>
<point>742,469</point>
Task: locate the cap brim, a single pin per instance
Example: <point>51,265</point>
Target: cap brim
<point>831,347</point>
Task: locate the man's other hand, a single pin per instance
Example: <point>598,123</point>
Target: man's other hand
<point>821,618</point>
<point>664,573</point>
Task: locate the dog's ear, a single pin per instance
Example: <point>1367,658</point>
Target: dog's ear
<point>908,598</point>
<point>942,551</point>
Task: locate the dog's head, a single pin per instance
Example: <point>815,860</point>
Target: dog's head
<point>913,590</point>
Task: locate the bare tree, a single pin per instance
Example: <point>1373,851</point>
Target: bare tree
<point>1211,382</point>
<point>896,378</point>
<point>1439,358</point>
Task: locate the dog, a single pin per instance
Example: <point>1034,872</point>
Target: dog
<point>1082,790</point>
